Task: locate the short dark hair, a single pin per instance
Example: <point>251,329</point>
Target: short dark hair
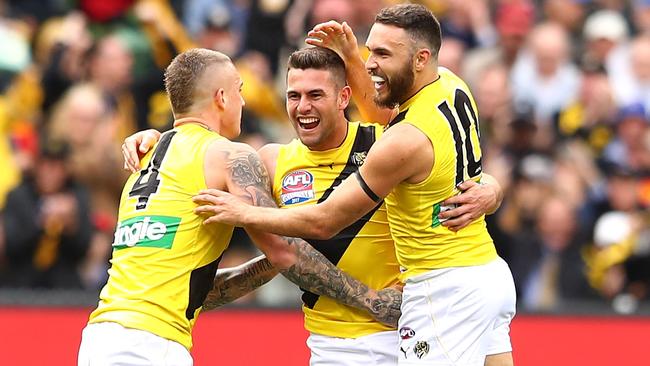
<point>184,72</point>
<point>321,59</point>
<point>418,21</point>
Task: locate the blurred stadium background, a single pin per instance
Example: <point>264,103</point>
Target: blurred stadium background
<point>563,90</point>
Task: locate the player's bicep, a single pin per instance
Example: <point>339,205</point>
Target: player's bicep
<point>347,204</point>
<point>391,160</point>
<point>247,177</point>
<point>269,155</point>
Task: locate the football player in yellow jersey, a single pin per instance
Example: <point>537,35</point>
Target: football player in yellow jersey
<point>164,260</point>
<point>459,296</point>
<point>306,171</point>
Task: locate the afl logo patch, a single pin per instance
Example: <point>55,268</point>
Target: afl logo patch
<point>406,333</point>
<point>297,187</point>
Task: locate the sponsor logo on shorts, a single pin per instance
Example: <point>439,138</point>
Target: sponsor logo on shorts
<point>404,351</point>
<point>421,348</point>
<point>146,231</point>
<point>297,187</point>
<point>406,333</point>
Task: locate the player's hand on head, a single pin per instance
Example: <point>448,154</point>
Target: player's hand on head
<point>135,146</point>
<point>338,37</point>
<point>221,207</point>
<point>475,201</point>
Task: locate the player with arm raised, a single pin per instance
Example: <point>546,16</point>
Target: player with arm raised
<point>431,147</point>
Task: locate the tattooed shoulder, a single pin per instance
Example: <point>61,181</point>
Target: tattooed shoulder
<point>247,172</point>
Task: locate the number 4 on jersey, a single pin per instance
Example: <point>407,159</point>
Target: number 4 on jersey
<point>148,182</point>
<point>464,144</point>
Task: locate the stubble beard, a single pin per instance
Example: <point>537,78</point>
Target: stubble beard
<point>398,88</point>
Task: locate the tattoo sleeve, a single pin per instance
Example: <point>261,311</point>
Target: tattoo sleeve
<point>232,283</point>
<point>249,174</point>
<point>315,273</point>
<point>311,270</point>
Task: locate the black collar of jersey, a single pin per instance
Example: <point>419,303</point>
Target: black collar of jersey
<point>401,115</point>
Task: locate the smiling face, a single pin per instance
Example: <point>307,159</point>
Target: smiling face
<point>315,105</point>
<point>390,64</point>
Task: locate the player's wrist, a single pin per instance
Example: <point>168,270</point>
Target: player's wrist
<point>352,57</point>
<point>246,218</point>
<point>494,198</point>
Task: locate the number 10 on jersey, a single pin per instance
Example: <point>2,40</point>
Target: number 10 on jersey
<point>467,165</point>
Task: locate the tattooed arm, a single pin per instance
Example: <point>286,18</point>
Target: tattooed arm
<point>310,274</point>
<point>232,283</point>
<point>315,273</point>
<point>246,177</point>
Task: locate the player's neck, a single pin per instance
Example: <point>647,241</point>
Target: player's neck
<point>192,120</point>
<point>427,77</point>
<point>421,82</point>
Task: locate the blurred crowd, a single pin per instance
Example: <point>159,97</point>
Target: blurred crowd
<point>562,86</point>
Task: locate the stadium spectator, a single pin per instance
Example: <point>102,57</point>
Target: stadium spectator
<point>617,262</point>
<point>567,13</point>
<point>469,23</point>
<point>513,22</point>
<point>630,148</point>
<point>82,120</point>
<point>605,34</point>
<point>631,79</point>
<point>531,182</point>
<point>614,242</point>
<point>62,50</point>
<point>47,224</point>
<point>544,76</point>
<point>85,123</point>
<point>546,260</point>
<point>265,32</point>
<point>589,119</point>
<point>493,98</point>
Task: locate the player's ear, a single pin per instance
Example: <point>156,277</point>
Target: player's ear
<point>422,57</point>
<point>344,97</point>
<point>219,98</point>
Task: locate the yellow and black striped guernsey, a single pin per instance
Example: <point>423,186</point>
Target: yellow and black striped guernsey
<point>446,113</point>
<point>164,258</point>
<point>364,249</point>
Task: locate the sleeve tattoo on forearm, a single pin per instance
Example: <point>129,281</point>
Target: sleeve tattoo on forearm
<point>315,273</point>
<point>231,284</point>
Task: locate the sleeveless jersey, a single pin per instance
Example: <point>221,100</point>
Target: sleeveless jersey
<point>164,259</point>
<point>446,113</point>
<point>364,249</point>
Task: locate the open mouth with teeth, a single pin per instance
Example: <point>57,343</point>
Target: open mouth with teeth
<point>308,123</point>
<point>379,81</point>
